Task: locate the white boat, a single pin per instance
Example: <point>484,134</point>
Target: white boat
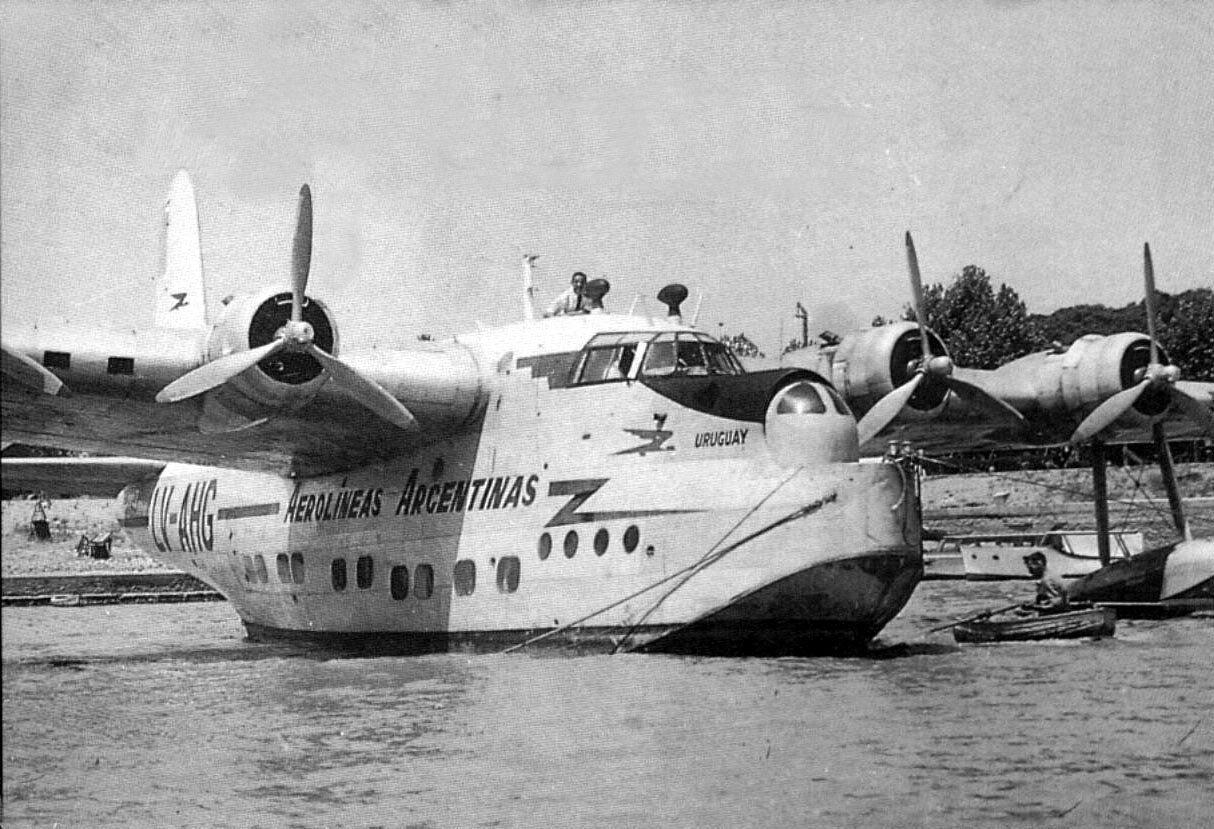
<point>997,556</point>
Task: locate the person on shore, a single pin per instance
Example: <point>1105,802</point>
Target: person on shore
<point>1051,592</point>
<point>570,301</point>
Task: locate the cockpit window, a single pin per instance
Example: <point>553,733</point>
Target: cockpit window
<point>688,354</point>
<point>660,359</point>
<point>608,357</point>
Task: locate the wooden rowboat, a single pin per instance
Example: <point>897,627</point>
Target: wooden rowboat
<point>1097,621</point>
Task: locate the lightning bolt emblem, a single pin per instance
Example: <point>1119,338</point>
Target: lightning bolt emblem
<point>654,439</point>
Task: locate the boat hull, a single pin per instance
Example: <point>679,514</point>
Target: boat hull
<point>1096,622</point>
<point>1071,555</point>
<point>712,558</point>
<point>834,608</point>
<point>1167,581</point>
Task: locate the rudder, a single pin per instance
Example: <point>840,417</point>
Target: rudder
<point>180,296</point>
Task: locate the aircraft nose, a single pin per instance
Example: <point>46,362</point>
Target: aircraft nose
<point>807,423</point>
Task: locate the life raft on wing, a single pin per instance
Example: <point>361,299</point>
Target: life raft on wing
<point>1077,624</point>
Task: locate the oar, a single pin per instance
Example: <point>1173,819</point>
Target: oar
<point>976,617</point>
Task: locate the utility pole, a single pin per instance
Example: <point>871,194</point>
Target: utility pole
<point>803,315</point>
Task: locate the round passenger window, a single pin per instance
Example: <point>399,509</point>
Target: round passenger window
<point>600,542</point>
<point>571,544</point>
<point>545,546</point>
<point>632,537</point>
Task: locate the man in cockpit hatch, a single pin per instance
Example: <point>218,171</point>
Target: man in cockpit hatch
<point>571,300</point>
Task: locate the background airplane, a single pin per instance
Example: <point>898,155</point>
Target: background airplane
<point>901,381</point>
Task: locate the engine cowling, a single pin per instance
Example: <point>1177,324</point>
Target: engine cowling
<point>870,364</point>
<point>1095,368</point>
<point>286,380</point>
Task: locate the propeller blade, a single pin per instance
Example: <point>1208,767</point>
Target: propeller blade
<point>301,253</point>
<point>912,263</point>
<point>1108,411</point>
<point>29,372</point>
<point>887,408</point>
<point>1194,410</point>
<point>216,372</point>
<point>983,400</point>
<point>1148,274</point>
<point>365,391</point>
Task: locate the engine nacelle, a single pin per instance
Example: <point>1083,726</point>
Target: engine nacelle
<point>286,380</point>
<point>870,364</point>
<point>1095,368</point>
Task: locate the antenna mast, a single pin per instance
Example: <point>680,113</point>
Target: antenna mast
<point>803,315</point>
<point>528,287</point>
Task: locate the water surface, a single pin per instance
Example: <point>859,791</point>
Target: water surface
<point>164,715</point>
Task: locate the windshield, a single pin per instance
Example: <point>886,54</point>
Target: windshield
<point>609,357</point>
<point>688,354</point>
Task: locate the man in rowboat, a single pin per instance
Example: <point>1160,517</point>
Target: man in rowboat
<point>1051,592</point>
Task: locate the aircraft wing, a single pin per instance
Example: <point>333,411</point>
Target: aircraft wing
<point>1203,392</point>
<point>1054,392</point>
<point>263,388</point>
<point>901,382</point>
<point>104,412</point>
<point>98,477</point>
<point>1041,399</point>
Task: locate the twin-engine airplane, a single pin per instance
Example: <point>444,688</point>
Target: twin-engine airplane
<point>902,380</point>
<point>610,481</point>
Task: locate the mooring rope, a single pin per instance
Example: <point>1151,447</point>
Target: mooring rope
<point>696,564</point>
<point>711,558</point>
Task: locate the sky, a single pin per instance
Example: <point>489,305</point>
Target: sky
<point>761,153</point>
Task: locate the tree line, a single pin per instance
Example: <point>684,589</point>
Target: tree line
<point>985,327</point>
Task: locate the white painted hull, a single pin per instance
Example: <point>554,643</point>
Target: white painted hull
<point>729,557</point>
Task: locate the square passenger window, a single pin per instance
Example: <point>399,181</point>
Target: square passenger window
<point>120,365</point>
<point>56,359</point>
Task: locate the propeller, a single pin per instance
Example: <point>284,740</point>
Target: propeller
<point>933,369</point>
<point>296,335</point>
<point>28,372</point>
<point>1154,375</point>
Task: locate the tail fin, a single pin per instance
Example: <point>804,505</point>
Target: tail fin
<point>180,298</point>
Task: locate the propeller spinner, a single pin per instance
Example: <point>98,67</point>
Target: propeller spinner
<point>295,336</point>
<point>933,369</point>
<point>1154,376</point>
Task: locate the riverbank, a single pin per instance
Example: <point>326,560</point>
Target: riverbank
<point>37,572</point>
<point>1040,500</point>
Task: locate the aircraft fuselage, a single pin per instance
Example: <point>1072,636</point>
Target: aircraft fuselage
<point>667,512</point>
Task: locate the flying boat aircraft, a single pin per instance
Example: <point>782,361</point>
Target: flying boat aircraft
<point>1102,389</point>
<point>609,481</point>
<point>902,381</point>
